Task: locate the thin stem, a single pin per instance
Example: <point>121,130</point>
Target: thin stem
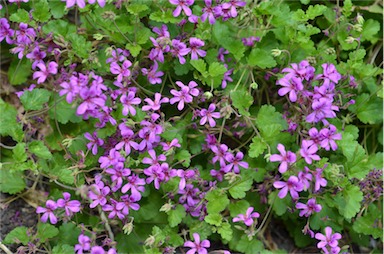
<point>118,29</point>
<point>221,130</point>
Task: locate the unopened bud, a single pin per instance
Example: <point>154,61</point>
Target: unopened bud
<point>276,52</point>
<point>67,142</point>
<point>330,51</point>
<point>254,85</point>
<point>208,95</point>
<point>311,60</point>
<point>150,241</point>
<point>109,15</point>
<point>166,207</point>
<point>350,40</point>
<point>127,228</point>
<point>358,27</point>
<point>359,19</point>
<point>231,177</point>
<point>98,37</point>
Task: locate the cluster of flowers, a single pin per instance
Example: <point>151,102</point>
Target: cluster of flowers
<point>316,104</point>
<point>372,186</point>
<point>87,245</point>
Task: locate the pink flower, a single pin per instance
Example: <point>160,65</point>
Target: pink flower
<point>83,245</point>
<point>195,44</point>
<point>208,115</point>
<point>293,185</point>
<point>309,208</point>
<point>182,5</point>
<point>121,71</point>
<point>129,100</point>
<point>48,211</point>
<point>286,158</point>
<point>100,2</point>
<point>95,142</point>
<point>247,217</point>
<point>197,246</point>
<point>70,206</point>
<point>208,12</point>
<point>184,95</point>
<point>167,146</point>
<point>154,105</point>
<point>70,3</point>
<point>152,74</point>
<point>308,152</point>
<point>44,71</point>
<point>328,239</point>
<point>290,85</point>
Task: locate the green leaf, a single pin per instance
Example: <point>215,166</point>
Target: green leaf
<point>257,147</point>
<point>249,246</point>
<point>142,35</point>
<point>200,66</point>
<point>349,201</point>
<point>239,189</point>
<point>8,122</point>
<point>269,121</point>
<point>217,201</point>
<point>57,9</point>
<point>11,182</point>
<point>299,15</point>
<point>355,155</point>
<point>214,219</point>
<point>347,8</point>
<point>68,233</point>
<point>175,216</point>
<point>80,45</point>
<point>62,248</point>
<point>35,99</point>
<point>19,153</point>
<point>314,11</point>
<point>261,58</point>
<point>183,157</point>
<point>17,235</point>
<point>238,207</point>
<point>371,30</point>
<point>136,8</point>
<point>357,55</point>
<point>41,11</point>
<point>59,27</point>
<point>46,231</point>
<point>369,109</point>
<point>181,69</point>
<point>38,148</point>
<point>367,225</point>
<point>164,17</point>
<point>63,112</point>
<point>225,231</point>
<point>241,100</point>
<point>216,69</point>
<point>19,71</point>
<point>21,16</point>
<point>280,206</point>
<point>134,49</point>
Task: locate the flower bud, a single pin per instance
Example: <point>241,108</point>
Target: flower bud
<point>109,15</point>
<point>150,241</point>
<point>127,228</point>
<point>254,85</point>
<point>67,142</point>
<point>330,51</point>
<point>359,19</point>
<point>358,27</point>
<point>98,37</point>
<point>350,40</point>
<point>208,95</point>
<point>166,207</point>
<point>276,52</point>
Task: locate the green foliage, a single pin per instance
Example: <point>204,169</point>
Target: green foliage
<point>19,71</point>
<point>46,231</point>
<point>41,12</point>
<point>241,100</point>
<point>11,182</point>
<point>39,149</point>
<point>8,122</point>
<point>261,58</point>
<point>239,189</point>
<point>349,201</point>
<point>257,147</point>
<point>20,16</point>
<point>17,235</point>
<point>217,201</point>
<point>176,215</point>
<point>184,157</point>
<point>35,99</point>
<point>369,109</point>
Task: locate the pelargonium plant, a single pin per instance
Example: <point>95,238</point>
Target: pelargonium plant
<point>182,126</point>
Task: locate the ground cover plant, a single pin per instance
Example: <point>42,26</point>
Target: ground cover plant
<point>185,126</point>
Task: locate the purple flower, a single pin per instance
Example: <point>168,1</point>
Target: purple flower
<point>197,246</point>
<point>45,71</point>
<point>100,2</point>
<point>328,138</point>
<point>117,173</point>
<point>221,153</point>
<point>115,209</point>
<point>97,250</point>
<point>195,44</point>
<point>113,158</point>
<point>208,12</point>
<point>322,108</point>
<point>70,206</point>
<point>128,100</point>
<point>330,74</point>
<point>308,152</point>
<point>208,115</point>
<point>185,94</point>
<point>129,203</point>
<point>30,88</point>
<point>167,146</point>
<point>48,211</point>
<point>154,105</point>
<point>305,177</point>
<point>319,180</point>
<point>83,245</point>
<point>157,53</point>
<point>136,185</point>
<point>95,142</point>
<point>179,49</point>
<point>70,3</point>
<point>293,185</point>
<point>235,162</point>
<point>303,70</point>
<point>309,208</point>
<point>226,77</point>
<point>286,158</point>
<point>5,31</point>
<point>154,160</point>
<point>250,41</point>
<point>25,35</point>
<point>126,139</point>
<point>121,71</point>
<point>220,55</point>
<point>231,5</point>
<point>291,86</point>
<point>247,217</point>
<point>98,194</point>
<point>182,5</point>
<point>328,239</point>
<point>152,74</point>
